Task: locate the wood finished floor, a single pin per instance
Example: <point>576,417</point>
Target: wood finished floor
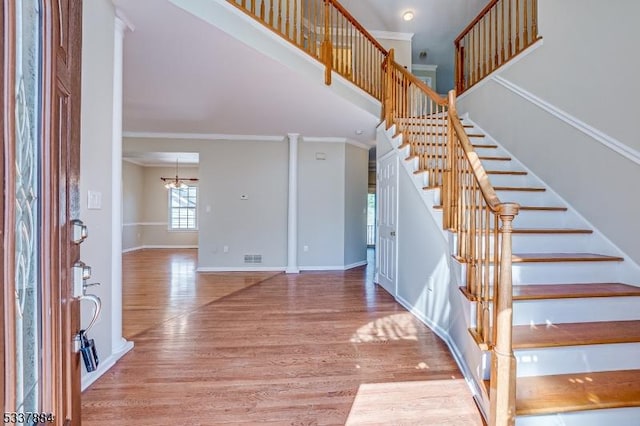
<point>314,348</point>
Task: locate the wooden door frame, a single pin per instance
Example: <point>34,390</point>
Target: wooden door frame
<point>59,147</point>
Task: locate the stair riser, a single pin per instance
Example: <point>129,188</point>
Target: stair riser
<point>612,417</point>
<point>558,311</point>
<point>551,243</point>
<point>577,359</point>
<point>547,219</point>
<point>513,180</point>
<point>563,272</point>
<point>527,198</point>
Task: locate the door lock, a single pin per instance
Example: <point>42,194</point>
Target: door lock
<point>80,232</point>
<point>81,273</point>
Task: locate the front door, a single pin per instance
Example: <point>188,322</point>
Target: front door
<point>41,41</point>
<point>387,222</point>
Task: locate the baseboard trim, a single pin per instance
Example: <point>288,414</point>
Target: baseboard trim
<point>89,378</point>
<point>279,268</point>
<point>162,246</point>
<point>241,268</point>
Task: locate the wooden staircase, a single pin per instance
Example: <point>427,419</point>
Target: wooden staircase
<point>589,390</point>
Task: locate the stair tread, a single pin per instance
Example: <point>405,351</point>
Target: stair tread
<point>506,172</point>
<point>519,188</point>
<point>483,145</point>
<point>577,392</point>
<point>548,231</point>
<point>527,208</point>
<point>563,257</point>
<point>574,334</point>
<point>494,158</point>
<point>571,291</point>
<point>567,291</point>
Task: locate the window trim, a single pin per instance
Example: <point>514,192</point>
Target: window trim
<point>170,211</point>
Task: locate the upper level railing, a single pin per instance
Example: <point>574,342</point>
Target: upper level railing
<point>501,30</point>
<point>327,31</point>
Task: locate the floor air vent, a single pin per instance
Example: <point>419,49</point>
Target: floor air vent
<point>252,258</point>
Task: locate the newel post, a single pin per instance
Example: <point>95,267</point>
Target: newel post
<point>326,48</point>
<point>502,391</point>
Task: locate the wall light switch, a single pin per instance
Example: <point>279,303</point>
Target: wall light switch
<point>305,248</point>
<point>225,249</point>
<point>207,209</point>
<point>94,200</point>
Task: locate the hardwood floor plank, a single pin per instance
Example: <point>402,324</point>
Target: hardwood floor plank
<point>289,349</point>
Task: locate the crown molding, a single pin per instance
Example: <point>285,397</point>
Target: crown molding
<point>390,35</point>
<point>203,136</point>
<point>242,138</point>
<point>336,140</point>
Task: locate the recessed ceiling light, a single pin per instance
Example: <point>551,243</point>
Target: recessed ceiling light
<point>408,15</point>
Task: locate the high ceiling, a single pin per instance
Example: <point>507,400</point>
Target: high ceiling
<point>435,25</point>
<point>183,75</point>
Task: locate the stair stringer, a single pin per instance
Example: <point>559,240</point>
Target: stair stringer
<point>428,288</point>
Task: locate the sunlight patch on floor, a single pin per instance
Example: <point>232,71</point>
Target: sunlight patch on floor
<point>392,327</point>
<point>434,402</point>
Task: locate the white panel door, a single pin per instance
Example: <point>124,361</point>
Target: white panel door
<point>387,222</point>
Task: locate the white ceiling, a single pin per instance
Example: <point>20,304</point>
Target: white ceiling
<point>435,26</point>
<point>182,75</point>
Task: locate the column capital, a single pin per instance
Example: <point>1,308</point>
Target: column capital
<point>293,136</point>
<point>123,23</point>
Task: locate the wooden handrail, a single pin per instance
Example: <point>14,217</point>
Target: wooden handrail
<point>488,193</point>
<point>440,100</point>
<point>477,19</point>
<point>359,26</point>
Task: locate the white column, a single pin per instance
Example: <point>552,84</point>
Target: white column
<point>292,217</point>
<point>118,343</point>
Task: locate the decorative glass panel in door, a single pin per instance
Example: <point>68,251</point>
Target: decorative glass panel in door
<point>28,81</point>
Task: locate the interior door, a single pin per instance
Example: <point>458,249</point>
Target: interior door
<point>386,250</point>
<point>41,42</point>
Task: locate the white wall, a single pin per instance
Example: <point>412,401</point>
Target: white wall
<point>587,65</point>
<point>321,202</point>
<point>132,205</point>
<point>401,48</point>
<point>96,160</point>
<point>355,212</point>
<point>587,73</point>
<point>258,224</point>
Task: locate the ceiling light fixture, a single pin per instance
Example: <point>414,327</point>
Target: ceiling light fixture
<point>176,182</point>
<point>408,15</point>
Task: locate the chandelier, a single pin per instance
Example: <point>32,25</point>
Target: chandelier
<point>176,182</point>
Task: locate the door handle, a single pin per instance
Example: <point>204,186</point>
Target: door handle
<point>98,307</point>
<point>393,233</point>
<point>80,232</point>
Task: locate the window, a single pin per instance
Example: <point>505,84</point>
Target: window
<point>182,208</point>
